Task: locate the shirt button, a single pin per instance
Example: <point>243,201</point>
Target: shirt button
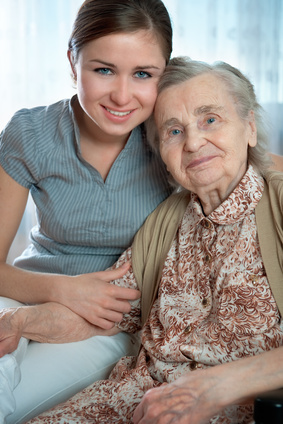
<point>193,365</point>
<point>207,258</point>
<point>254,279</point>
<point>188,329</point>
<point>206,223</point>
<point>204,302</point>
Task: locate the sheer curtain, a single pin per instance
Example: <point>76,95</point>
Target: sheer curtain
<point>34,68</point>
<point>33,43</point>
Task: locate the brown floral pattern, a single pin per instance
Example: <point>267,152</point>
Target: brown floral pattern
<point>214,305</point>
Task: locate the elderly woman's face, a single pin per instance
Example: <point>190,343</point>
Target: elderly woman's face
<point>203,141</point>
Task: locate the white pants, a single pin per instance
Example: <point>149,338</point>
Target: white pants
<point>38,376</point>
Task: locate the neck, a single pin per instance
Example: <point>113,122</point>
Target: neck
<point>211,196</point>
<point>100,150</point>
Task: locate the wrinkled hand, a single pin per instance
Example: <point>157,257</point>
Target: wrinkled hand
<point>46,323</point>
<point>93,298</point>
<point>10,331</point>
<point>199,395</point>
<point>188,400</point>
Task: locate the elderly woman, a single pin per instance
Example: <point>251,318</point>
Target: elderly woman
<point>213,338</point>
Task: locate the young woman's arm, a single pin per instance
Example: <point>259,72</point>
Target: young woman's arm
<point>15,283</point>
<point>88,295</point>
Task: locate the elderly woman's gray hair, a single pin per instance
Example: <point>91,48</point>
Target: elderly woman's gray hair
<point>182,69</point>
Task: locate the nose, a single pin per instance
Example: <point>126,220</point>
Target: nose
<point>194,139</point>
<point>121,93</point>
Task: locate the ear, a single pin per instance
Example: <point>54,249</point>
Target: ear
<point>252,129</point>
<point>71,60</point>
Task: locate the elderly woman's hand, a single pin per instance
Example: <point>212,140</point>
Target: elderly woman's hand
<point>189,400</point>
<point>199,395</point>
<point>10,330</point>
<point>47,323</point>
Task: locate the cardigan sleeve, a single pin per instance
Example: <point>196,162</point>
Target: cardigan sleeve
<point>269,218</point>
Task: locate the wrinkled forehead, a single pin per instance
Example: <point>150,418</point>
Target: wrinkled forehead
<point>201,94</point>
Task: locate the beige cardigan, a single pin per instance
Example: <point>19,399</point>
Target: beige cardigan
<point>153,240</point>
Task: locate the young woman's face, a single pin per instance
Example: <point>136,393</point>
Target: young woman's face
<point>117,77</point>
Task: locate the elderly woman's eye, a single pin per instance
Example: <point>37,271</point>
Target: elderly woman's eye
<point>210,120</point>
<point>175,132</point>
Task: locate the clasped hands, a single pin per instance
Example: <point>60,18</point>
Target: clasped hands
<point>91,306</point>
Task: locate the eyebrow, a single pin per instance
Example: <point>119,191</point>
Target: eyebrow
<point>111,65</point>
<point>168,123</point>
<point>207,109</point>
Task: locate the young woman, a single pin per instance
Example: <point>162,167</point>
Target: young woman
<point>94,180</point>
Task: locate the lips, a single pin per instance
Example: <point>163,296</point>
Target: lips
<point>118,113</point>
<point>196,162</point>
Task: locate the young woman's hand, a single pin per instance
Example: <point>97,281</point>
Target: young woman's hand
<point>93,298</point>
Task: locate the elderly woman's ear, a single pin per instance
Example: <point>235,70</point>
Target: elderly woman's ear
<point>252,129</point>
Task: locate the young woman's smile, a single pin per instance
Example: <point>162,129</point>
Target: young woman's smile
<point>117,78</point>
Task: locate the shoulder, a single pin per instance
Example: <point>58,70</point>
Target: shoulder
<point>167,214</point>
<point>37,127</point>
<point>273,178</point>
<point>29,136</point>
<point>176,201</point>
<point>273,195</point>
<point>274,182</point>
<point>38,117</point>
<point>46,116</point>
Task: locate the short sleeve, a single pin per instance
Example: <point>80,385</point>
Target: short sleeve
<point>131,322</point>
<point>18,149</point>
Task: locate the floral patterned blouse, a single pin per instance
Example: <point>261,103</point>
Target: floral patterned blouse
<point>214,305</point>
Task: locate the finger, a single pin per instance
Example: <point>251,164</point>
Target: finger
<point>138,414</point>
<point>8,345</point>
<point>125,293</point>
<point>104,324</point>
<point>112,291</point>
<point>111,316</point>
<point>117,291</point>
<point>113,305</point>
<point>114,274</point>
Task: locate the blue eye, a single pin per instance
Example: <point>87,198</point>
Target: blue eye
<point>142,74</point>
<point>210,120</point>
<point>173,135</point>
<point>103,71</point>
<point>175,132</point>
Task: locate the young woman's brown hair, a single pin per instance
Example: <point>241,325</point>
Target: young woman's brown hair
<point>99,18</point>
